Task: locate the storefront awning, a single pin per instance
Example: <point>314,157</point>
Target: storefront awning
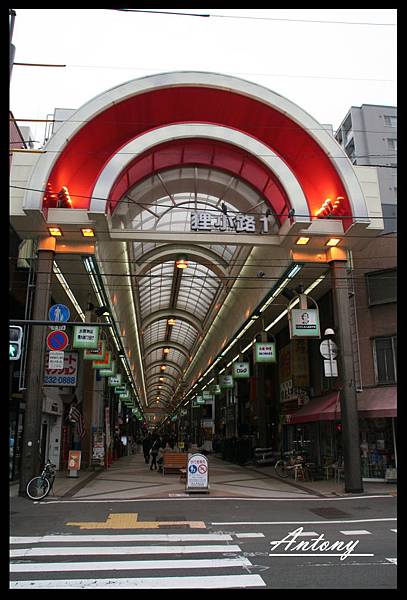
<point>373,403</point>
<point>378,402</point>
<point>325,408</point>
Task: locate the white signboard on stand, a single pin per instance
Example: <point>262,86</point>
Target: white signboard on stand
<point>197,473</point>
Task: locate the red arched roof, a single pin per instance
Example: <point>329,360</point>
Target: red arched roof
<point>205,153</point>
<point>97,141</point>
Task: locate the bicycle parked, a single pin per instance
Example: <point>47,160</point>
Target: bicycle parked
<point>40,486</point>
<point>295,462</point>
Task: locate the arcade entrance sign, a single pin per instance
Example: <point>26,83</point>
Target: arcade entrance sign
<point>240,223</point>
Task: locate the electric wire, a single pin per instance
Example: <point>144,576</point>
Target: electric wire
<point>252,18</point>
<point>147,124</point>
<point>185,209</point>
<point>162,70</point>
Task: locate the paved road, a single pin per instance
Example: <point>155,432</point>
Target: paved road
<point>201,542</point>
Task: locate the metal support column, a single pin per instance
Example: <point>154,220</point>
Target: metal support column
<point>30,459</point>
<point>349,412</point>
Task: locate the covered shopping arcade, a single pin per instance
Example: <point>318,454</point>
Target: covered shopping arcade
<point>192,206</point>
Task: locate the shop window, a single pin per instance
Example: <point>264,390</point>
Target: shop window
<point>385,358</point>
<point>381,286</point>
<point>376,447</point>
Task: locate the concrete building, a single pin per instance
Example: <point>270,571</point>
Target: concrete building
<point>369,136</point>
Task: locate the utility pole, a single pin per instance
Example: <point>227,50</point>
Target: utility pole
<point>12,15</point>
<point>349,412</point>
<point>33,396</point>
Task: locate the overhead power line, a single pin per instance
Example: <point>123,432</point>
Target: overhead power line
<point>190,208</point>
<point>161,69</point>
<point>384,131</point>
<point>23,64</point>
<point>252,18</point>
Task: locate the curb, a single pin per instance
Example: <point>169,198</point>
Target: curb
<point>69,493</point>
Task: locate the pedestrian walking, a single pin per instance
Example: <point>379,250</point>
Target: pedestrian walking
<point>147,443</point>
<point>154,451</point>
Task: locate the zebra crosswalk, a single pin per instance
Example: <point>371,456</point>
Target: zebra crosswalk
<point>127,562</point>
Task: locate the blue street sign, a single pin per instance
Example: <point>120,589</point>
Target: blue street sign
<point>59,313</point>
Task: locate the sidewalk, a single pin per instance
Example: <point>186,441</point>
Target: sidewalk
<point>329,487</point>
<point>130,478</point>
<point>63,484</point>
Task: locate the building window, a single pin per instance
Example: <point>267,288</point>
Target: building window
<point>385,359</point>
<point>381,287</point>
<point>350,150</point>
<point>389,218</point>
<point>392,144</point>
<point>390,121</point>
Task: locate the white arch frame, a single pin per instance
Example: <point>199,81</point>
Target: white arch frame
<point>147,141</point>
<point>41,172</point>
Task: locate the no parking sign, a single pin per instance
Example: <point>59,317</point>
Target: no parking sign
<point>197,473</point>
<point>57,340</point>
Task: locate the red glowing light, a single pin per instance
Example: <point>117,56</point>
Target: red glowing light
<point>331,208</point>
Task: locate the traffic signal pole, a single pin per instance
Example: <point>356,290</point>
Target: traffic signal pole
<point>33,396</point>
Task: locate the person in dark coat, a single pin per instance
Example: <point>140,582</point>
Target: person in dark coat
<point>147,443</point>
<point>154,451</point>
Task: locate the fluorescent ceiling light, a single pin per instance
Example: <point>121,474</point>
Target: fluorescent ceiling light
<point>68,290</point>
<point>315,283</point>
<point>276,320</point>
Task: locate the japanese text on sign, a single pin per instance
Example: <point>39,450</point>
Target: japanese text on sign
<point>265,352</point>
<point>66,376</point>
<point>86,337</point>
<point>197,472</point>
<point>240,223</point>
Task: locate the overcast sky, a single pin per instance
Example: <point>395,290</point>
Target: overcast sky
<point>323,67</point>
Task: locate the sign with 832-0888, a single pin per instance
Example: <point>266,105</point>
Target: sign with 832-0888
<point>62,377</point>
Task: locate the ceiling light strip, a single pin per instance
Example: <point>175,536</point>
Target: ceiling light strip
<point>68,290</point>
<point>90,267</point>
<point>135,319</point>
<point>290,275</point>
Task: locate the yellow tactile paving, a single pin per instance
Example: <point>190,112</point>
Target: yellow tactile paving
<point>130,521</point>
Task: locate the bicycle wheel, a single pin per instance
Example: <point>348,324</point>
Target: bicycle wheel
<point>281,468</point>
<point>38,488</point>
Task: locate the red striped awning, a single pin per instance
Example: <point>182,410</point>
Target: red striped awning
<point>373,403</point>
<point>325,408</point>
<point>378,402</point>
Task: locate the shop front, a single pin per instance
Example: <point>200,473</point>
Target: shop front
<point>377,409</point>
<point>320,421</point>
<point>316,427</point>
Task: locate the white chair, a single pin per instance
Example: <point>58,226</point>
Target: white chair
<point>338,470</point>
